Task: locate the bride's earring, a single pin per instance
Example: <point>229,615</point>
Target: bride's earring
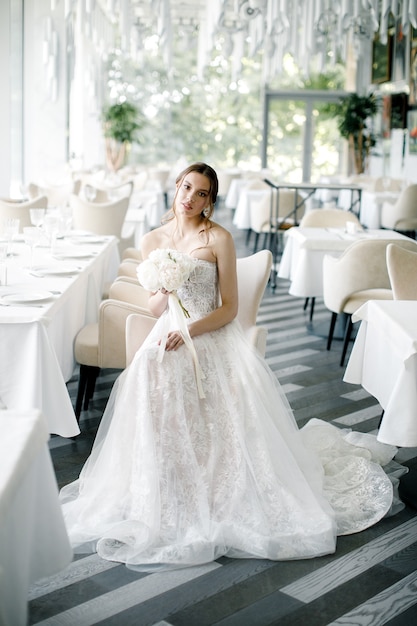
<point>206,211</point>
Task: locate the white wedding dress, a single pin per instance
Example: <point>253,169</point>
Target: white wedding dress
<point>175,480</point>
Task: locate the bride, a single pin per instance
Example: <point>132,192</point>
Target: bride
<point>198,454</point>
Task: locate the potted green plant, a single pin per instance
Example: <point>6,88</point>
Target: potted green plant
<point>121,124</point>
<point>355,114</point>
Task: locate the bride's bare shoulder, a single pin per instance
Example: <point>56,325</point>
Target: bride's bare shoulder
<point>156,238</point>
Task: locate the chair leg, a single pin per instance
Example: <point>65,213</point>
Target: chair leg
<point>255,245</point>
<point>331,330</point>
<point>313,302</point>
<point>82,384</point>
<point>248,234</point>
<point>92,374</point>
<point>348,333</point>
<point>306,301</point>
<point>86,384</point>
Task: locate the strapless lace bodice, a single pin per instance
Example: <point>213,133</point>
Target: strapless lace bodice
<point>199,294</point>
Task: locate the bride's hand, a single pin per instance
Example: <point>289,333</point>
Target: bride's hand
<point>174,340</point>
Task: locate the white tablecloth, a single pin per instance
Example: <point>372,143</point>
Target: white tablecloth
<point>384,362</point>
<point>36,342</point>
<point>371,206</point>
<point>233,194</point>
<point>304,251</point>
<point>241,218</point>
<point>33,539</point>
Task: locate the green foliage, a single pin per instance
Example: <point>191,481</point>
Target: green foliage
<point>355,115</point>
<point>121,122</point>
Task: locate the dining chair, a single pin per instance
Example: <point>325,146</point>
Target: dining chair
<point>225,178</point>
<point>101,345</point>
<point>128,267</point>
<point>402,215</point>
<point>253,273</point>
<point>358,275</point>
<point>384,183</point>
<point>132,253</point>
<point>326,218</point>
<point>57,194</point>
<point>102,218</point>
<point>273,213</point>
<point>402,271</point>
<point>10,209</point>
<point>107,192</point>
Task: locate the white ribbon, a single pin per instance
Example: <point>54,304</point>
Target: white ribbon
<point>177,314</point>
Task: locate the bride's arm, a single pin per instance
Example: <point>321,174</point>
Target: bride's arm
<point>224,249</point>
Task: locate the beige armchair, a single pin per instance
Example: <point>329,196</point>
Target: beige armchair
<point>326,218</point>
<point>102,345</point>
<point>273,212</point>
<point>58,194</point>
<point>253,273</point>
<point>102,218</point>
<point>10,209</point>
<point>402,215</point>
<point>107,193</point>
<point>358,275</point>
<point>402,271</point>
<point>132,253</point>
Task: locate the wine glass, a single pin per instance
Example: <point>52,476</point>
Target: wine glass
<point>4,245</point>
<point>90,193</point>
<point>51,228</point>
<point>36,216</point>
<point>11,230</point>
<point>31,238</point>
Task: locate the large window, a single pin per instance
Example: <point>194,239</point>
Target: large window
<point>299,143</point>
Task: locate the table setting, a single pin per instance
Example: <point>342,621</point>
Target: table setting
<point>302,258</point>
<point>50,289</point>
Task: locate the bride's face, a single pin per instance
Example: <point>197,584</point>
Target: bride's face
<point>193,194</point>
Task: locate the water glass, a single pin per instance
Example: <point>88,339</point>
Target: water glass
<point>11,229</point>
<point>36,216</point>
<point>31,237</point>
<point>51,225</point>
<point>4,247</point>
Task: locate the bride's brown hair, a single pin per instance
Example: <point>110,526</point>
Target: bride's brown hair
<point>208,172</point>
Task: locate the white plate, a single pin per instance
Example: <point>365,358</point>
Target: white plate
<point>56,271</point>
<point>74,255</point>
<point>88,239</point>
<point>24,297</point>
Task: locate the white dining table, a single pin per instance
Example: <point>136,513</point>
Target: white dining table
<point>384,361</point>
<point>33,538</point>
<point>242,215</point>
<point>371,206</point>
<point>40,315</point>
<point>305,248</point>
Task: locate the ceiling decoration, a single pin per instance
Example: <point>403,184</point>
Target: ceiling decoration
<point>315,32</point>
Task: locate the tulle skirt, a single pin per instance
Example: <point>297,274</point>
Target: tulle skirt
<point>175,480</point>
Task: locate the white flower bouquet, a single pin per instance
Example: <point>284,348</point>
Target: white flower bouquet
<point>169,269</point>
<point>165,269</point>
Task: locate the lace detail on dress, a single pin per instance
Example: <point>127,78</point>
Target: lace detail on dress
<point>199,294</point>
